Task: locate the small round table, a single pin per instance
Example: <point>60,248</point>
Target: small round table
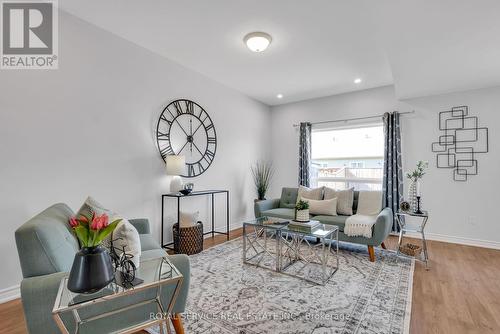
<point>403,228</point>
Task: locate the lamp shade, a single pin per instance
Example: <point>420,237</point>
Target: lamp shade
<point>175,164</point>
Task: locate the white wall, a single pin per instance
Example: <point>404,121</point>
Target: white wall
<point>461,212</point>
<point>88,129</point>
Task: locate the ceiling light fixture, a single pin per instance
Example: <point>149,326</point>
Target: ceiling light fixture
<point>257,41</point>
<point>357,80</point>
<point>279,96</point>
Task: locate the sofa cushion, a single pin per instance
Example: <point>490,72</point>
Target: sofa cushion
<point>148,242</point>
<point>288,198</point>
<point>280,213</point>
<point>46,243</point>
<point>310,193</point>
<point>333,220</point>
<point>323,207</point>
<point>345,200</point>
<point>153,254</point>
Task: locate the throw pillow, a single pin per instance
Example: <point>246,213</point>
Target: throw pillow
<point>325,207</point>
<point>369,202</point>
<point>91,206</point>
<point>125,237</point>
<point>124,230</point>
<point>310,193</point>
<point>188,219</point>
<point>345,199</point>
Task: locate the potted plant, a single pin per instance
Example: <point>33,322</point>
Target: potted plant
<point>415,176</point>
<point>302,211</point>
<point>92,269</point>
<point>262,175</point>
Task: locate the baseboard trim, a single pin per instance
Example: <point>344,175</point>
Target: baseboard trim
<point>458,240</point>
<point>9,294</point>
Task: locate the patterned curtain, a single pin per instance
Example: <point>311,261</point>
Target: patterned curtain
<point>305,154</point>
<point>393,170</point>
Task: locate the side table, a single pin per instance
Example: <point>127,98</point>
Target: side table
<point>403,228</point>
<point>157,274</point>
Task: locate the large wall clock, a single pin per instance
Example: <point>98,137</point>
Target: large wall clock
<point>185,128</point>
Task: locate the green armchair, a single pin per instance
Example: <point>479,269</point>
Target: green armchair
<point>46,247</point>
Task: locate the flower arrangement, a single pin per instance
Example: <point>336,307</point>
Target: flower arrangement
<point>419,172</point>
<point>262,174</point>
<point>91,231</point>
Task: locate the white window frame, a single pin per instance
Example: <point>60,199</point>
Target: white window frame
<point>350,179</point>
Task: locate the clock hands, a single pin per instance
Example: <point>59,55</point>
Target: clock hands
<point>191,137</point>
<point>196,146</point>
<point>183,147</point>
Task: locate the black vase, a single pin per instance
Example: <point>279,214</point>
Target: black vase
<point>91,271</point>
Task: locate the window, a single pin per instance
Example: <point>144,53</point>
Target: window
<point>348,157</point>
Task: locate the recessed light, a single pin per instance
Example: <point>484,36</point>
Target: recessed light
<point>357,80</point>
<point>279,96</point>
<point>257,41</point>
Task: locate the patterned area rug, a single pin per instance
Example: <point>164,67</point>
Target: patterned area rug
<point>227,296</point>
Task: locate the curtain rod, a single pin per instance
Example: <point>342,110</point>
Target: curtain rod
<point>355,119</point>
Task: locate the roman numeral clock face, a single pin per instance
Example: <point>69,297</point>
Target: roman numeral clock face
<point>185,128</point>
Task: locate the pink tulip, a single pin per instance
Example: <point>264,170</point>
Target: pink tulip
<point>99,222</point>
<point>73,222</point>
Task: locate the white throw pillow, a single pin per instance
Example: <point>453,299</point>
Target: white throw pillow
<point>188,219</point>
<point>369,202</point>
<point>325,207</point>
<point>124,230</point>
<point>345,199</point>
<point>310,193</point>
<point>126,235</point>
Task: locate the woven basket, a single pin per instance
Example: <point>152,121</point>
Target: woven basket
<point>188,240</point>
<point>410,249</point>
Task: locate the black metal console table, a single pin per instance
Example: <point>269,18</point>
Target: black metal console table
<point>178,196</point>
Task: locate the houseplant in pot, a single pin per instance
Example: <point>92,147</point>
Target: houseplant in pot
<point>92,269</point>
<point>302,211</point>
<point>262,174</point>
<point>414,189</point>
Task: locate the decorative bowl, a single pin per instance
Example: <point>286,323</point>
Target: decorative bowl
<point>185,191</point>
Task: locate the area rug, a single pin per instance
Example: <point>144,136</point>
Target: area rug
<point>227,296</point>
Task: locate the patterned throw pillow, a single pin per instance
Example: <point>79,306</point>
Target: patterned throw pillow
<point>124,231</point>
<point>310,193</point>
<point>345,200</point>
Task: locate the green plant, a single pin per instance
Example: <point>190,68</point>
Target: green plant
<point>419,172</point>
<point>302,205</point>
<point>262,175</point>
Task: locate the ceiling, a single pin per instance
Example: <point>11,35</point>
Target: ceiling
<point>319,47</point>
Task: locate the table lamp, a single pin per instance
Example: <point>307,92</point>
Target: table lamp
<point>175,167</point>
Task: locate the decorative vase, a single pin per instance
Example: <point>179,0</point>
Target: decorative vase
<point>412,195</point>
<point>302,215</point>
<point>91,271</point>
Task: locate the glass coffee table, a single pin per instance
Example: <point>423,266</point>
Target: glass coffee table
<point>156,274</point>
<point>271,243</point>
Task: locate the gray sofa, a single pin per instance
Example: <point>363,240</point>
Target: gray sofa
<point>46,246</point>
<point>284,208</point>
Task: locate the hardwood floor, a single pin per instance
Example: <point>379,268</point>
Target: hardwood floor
<point>459,294</point>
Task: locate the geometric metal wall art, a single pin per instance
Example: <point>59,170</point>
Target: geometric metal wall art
<point>460,141</point>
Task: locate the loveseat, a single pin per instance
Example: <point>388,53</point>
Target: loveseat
<point>46,246</point>
<point>283,207</point>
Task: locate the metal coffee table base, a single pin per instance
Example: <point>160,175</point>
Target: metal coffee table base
<point>299,255</point>
<point>291,253</point>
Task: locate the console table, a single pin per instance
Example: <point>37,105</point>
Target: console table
<point>179,196</point>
